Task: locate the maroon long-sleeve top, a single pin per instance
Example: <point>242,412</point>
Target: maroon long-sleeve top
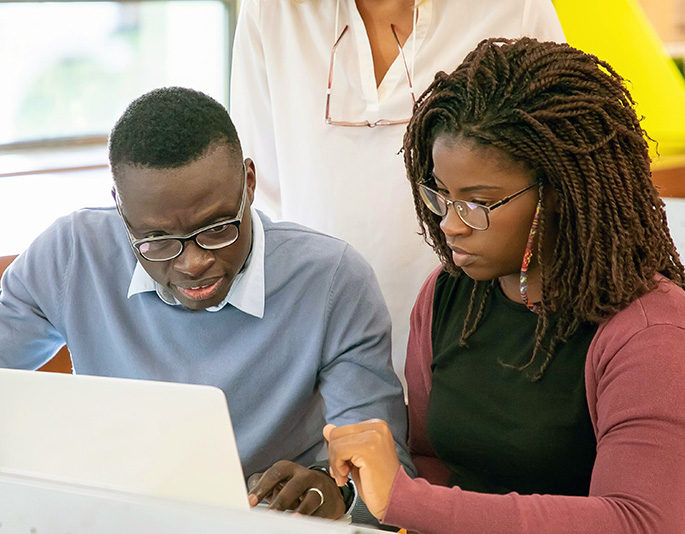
<point>635,384</point>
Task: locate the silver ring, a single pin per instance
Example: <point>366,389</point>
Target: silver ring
<point>317,490</point>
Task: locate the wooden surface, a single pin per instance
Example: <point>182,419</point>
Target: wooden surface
<point>670,181</point>
<point>61,362</point>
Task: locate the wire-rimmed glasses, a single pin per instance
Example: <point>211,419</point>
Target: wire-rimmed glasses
<point>211,237</point>
<point>472,214</point>
<point>380,122</point>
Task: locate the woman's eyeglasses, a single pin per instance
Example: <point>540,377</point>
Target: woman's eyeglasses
<point>472,214</point>
<point>380,122</point>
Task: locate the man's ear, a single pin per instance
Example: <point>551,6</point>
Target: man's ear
<point>251,177</point>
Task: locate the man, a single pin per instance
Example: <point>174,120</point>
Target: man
<point>187,283</point>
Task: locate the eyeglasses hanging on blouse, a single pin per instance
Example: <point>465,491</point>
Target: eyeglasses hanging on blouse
<point>380,122</point>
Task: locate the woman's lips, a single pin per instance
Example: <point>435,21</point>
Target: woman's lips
<point>200,291</point>
<point>461,258</point>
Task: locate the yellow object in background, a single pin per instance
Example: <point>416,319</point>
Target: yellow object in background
<point>618,32</point>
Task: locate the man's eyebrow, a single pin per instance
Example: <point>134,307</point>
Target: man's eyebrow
<point>469,189</point>
<point>208,222</point>
<point>216,220</point>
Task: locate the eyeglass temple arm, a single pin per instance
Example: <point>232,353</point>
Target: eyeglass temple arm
<point>333,52</point>
<point>500,203</point>
<point>404,61</point>
<point>507,199</point>
<point>330,73</point>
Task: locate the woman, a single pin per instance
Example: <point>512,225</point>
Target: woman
<point>308,79</point>
<point>546,361</point>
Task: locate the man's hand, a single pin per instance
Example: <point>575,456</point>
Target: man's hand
<point>367,452</point>
<point>289,486</point>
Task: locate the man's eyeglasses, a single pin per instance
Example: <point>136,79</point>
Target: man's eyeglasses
<point>472,214</point>
<point>211,237</point>
<point>380,122</point>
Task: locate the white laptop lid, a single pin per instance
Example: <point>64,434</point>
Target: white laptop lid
<point>153,438</point>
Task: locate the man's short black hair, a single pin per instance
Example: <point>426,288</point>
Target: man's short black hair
<point>169,127</point>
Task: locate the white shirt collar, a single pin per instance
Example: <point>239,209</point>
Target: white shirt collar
<point>247,290</point>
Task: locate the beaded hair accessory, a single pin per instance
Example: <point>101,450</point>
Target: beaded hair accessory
<point>527,255</point>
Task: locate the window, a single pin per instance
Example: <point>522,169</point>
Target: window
<point>73,67</point>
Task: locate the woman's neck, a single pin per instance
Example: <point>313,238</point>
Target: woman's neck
<point>378,15</point>
<point>511,285</point>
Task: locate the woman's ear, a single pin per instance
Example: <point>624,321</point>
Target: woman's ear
<point>552,199</point>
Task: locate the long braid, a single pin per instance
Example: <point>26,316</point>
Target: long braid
<point>570,118</point>
<point>479,296</point>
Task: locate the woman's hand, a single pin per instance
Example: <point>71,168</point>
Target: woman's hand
<point>367,452</point>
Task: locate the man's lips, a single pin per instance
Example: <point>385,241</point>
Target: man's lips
<point>200,290</point>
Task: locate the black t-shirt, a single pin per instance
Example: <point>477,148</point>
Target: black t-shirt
<point>495,429</point>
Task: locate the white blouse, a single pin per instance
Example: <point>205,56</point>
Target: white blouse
<point>350,182</point>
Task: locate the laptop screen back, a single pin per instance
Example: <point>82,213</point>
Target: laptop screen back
<point>154,438</point>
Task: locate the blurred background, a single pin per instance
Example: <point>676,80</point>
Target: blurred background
<point>69,68</point>
<point>68,71</point>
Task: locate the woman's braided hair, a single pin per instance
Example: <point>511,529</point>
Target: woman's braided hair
<point>570,118</point>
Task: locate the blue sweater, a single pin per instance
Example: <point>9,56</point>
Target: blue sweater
<point>320,353</point>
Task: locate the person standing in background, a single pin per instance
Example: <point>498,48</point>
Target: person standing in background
<point>321,92</point>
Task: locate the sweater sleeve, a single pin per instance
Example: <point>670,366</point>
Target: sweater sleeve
<point>356,378</point>
<point>251,106</point>
<point>635,377</point>
<point>418,374</point>
<point>31,300</point>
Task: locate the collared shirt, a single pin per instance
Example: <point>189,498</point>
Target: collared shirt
<point>247,289</point>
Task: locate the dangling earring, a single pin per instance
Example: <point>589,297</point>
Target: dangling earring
<point>527,255</point>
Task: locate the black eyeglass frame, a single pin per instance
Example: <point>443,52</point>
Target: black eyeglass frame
<point>470,205</point>
<point>182,240</point>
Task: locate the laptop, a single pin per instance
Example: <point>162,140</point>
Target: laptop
<point>157,439</point>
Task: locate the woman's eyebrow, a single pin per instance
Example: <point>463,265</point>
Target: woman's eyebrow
<point>469,189</point>
<point>480,187</point>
